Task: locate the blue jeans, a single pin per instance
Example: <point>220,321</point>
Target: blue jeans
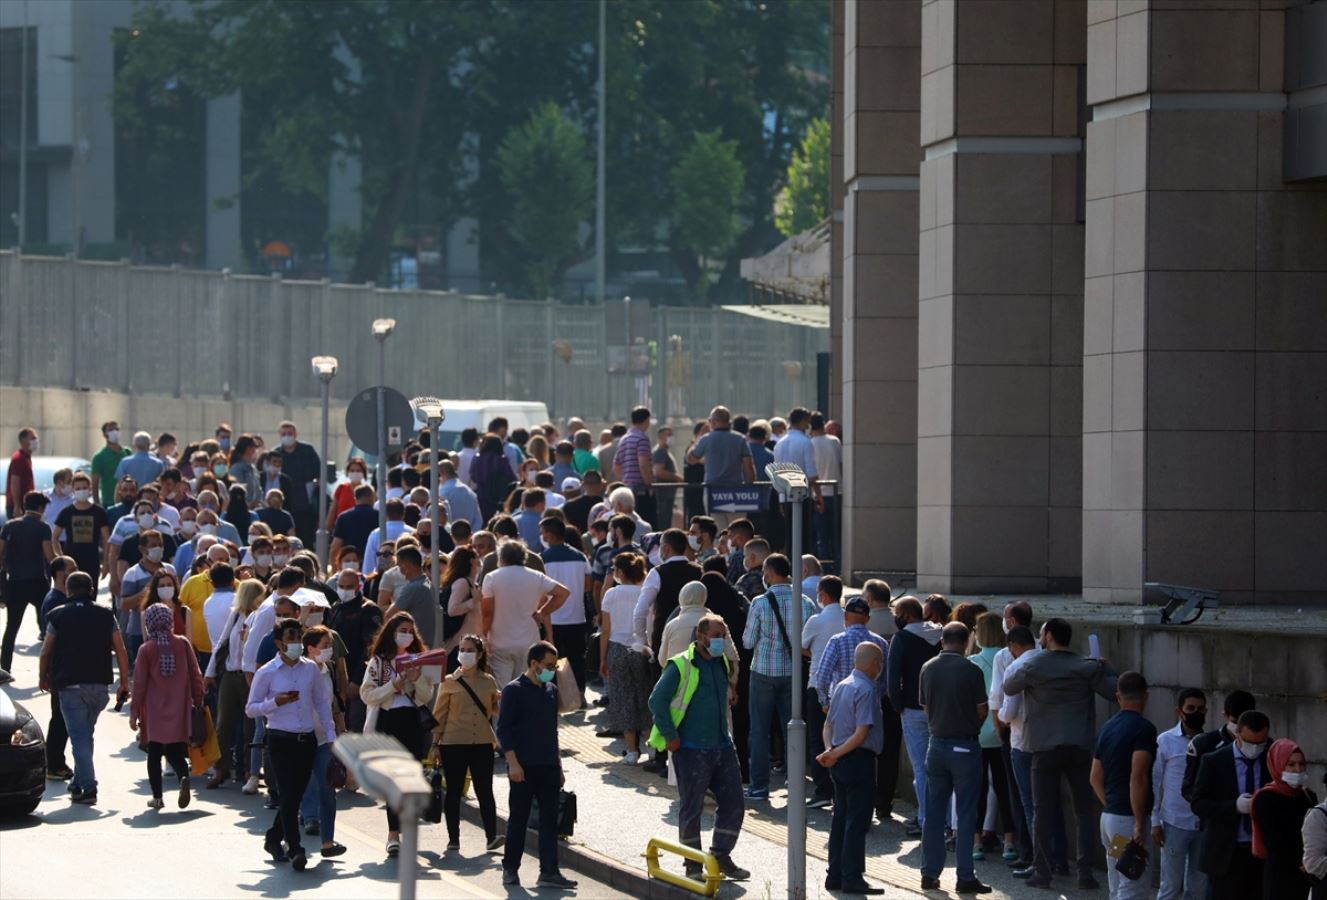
<point>770,696</point>
<point>256,751</point>
<point>319,803</point>
<point>916,737</point>
<point>1022,764</point>
<point>853,776</point>
<point>953,769</point>
<point>1180,877</point>
<point>709,771</point>
<point>80,705</point>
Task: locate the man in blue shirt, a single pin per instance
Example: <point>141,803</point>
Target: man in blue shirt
<point>462,502</point>
<point>353,527</point>
<point>695,683</point>
<point>527,520</point>
<point>854,735</point>
<point>528,736</point>
<point>141,465</point>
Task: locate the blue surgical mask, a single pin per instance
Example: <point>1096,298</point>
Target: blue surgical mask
<point>546,675</point>
<point>715,646</point>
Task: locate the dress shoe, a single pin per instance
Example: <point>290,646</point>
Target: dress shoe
<point>972,886</point>
<point>930,884</point>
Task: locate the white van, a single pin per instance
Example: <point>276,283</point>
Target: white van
<point>476,414</point>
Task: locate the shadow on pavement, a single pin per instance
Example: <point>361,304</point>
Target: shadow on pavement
<point>77,813</point>
<point>164,818</point>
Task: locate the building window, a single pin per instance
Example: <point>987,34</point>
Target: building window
<point>11,86</point>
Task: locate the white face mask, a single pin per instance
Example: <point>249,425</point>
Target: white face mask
<point>154,553</point>
<point>165,591</point>
<point>263,559</point>
<point>314,619</point>
<point>404,639</point>
<point>188,526</point>
<point>355,476</point>
<point>1295,779</point>
<point>324,655</point>
<point>287,440</point>
<point>350,566</point>
<point>694,541</point>
<point>113,436</point>
<point>1250,750</point>
<point>293,650</point>
<point>81,495</point>
<point>346,593</point>
<point>207,529</point>
<point>145,520</point>
<point>467,658</point>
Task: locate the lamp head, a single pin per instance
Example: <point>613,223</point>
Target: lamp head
<point>431,407</point>
<point>382,328</point>
<point>324,367</point>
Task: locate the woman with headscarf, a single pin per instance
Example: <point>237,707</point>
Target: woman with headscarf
<point>167,686</point>
<point>1278,814</point>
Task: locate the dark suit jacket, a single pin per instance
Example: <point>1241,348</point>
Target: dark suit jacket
<point>1214,793</point>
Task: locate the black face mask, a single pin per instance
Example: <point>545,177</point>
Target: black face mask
<point>1194,721</point>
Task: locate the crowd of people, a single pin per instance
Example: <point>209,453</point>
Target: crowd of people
<point>566,566</point>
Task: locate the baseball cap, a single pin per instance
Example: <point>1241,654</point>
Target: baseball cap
<point>857,605</point>
<point>571,483</point>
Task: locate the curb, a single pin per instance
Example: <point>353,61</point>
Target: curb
<point>629,881</point>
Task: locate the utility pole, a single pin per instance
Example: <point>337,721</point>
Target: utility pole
<point>600,263</point>
<point>23,136</point>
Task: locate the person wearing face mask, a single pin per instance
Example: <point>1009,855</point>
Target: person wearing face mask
<point>464,739</point>
<point>567,566</point>
<point>460,592</point>
<point>223,435</point>
<point>105,461</point>
<point>167,686</point>
<point>260,555</point>
<point>1278,812</point>
<point>915,642</point>
<point>1174,826</point>
<point>82,528</point>
<point>343,498</point>
<point>393,696</point>
<point>1236,704</point>
<point>237,513</point>
<point>1058,689</point>
<point>356,619</point>
<point>194,594</point>
<point>1222,797</point>
<point>300,463</point>
<point>353,527</point>
<point>295,698</point>
<point>225,673</point>
<point>527,733</point>
<point>60,495</point>
<point>689,705</point>
<point>318,806</point>
<point>210,519</point>
<point>57,737</point>
<point>134,592</point>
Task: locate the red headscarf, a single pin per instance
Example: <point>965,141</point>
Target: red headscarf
<point>1277,756</point>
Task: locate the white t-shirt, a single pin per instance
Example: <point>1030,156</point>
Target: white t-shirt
<point>216,609</point>
<point>570,574</point>
<point>516,592</point>
<point>619,602</point>
<point>829,461</point>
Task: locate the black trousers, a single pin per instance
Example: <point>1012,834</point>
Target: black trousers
<point>887,761</point>
<point>542,783</point>
<point>1048,766</point>
<point>401,723</point>
<point>292,764</point>
<point>1243,877</point>
<point>20,595</point>
<point>815,742</point>
<point>993,773</point>
<point>306,522</point>
<point>742,717</point>
<point>570,641</point>
<point>648,509</point>
<point>477,759</point>
<point>176,754</point>
<point>57,738</point>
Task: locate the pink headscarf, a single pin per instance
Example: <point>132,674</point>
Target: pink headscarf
<point>159,622</point>
<point>1277,756</point>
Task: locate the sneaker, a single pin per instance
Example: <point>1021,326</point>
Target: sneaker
<point>820,803</point>
<point>185,794</point>
<point>61,773</point>
<point>453,844</point>
<point>631,758</point>
<point>87,798</point>
<point>755,794</point>
<point>555,880</point>
<point>393,848</point>
<point>327,851</point>
<point>496,843</point>
<point>250,786</point>
<point>972,886</point>
<point>978,854</point>
<point>1010,853</point>
<point>511,876</point>
<point>730,869</point>
<point>1026,872</point>
<point>608,733</point>
<point>156,803</point>
<point>694,870</point>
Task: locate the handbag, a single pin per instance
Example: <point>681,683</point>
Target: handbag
<point>198,726</point>
<point>336,773</point>
<point>433,812</point>
<point>202,756</point>
<point>1132,863</point>
<point>566,824</point>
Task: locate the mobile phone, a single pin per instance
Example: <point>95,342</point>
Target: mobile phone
<point>294,695</point>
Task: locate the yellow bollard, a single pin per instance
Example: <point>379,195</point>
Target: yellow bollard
<point>712,874</point>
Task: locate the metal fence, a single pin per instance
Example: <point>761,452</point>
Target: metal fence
<point>184,333</point>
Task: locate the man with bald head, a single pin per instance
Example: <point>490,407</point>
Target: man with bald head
<point>854,735</point>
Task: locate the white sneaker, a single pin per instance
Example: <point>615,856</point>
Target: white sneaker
<point>250,786</point>
<point>631,758</point>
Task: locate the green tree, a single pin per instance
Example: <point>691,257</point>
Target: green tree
<point>707,187</point>
<point>804,201</point>
<point>545,167</point>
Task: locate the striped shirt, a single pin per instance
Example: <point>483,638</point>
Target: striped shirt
<point>633,445</point>
<point>770,655</point>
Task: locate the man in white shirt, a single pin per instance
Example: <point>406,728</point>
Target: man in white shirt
<point>263,619</point>
<point>295,698</point>
<point>216,608</point>
<point>514,602</point>
<point>1016,613</point>
<point>795,447</point>
<point>828,451</point>
<point>1174,826</point>
<point>815,635</point>
<point>568,567</point>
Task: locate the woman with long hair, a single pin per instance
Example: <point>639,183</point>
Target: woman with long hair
<point>463,740</point>
<point>537,449</point>
<point>625,664</point>
<point>165,588</point>
<point>224,670</point>
<point>989,634</point>
<point>491,474</point>
<point>238,512</point>
<point>167,686</point>
<point>464,615</point>
<point>393,696</point>
<point>242,468</point>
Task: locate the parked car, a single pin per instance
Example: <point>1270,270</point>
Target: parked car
<point>43,473</point>
<point>22,756</point>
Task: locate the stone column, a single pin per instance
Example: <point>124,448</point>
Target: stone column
<point>881,115</point>
<point>999,379</point>
<point>835,410</point>
<point>1205,322</point>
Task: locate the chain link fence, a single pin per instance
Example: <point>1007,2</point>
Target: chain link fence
<point>200,334</point>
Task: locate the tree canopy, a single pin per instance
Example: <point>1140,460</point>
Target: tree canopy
<point>804,201</point>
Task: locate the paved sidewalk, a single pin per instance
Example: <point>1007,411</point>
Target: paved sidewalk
<point>621,807</point>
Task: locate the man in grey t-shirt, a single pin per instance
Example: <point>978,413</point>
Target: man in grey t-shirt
<point>726,456</point>
<point>416,596</point>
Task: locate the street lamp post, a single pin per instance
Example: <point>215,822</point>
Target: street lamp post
<point>432,409</point>
<point>325,368</point>
<point>382,329</point>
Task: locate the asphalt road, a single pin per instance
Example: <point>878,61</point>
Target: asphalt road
<point>120,848</point>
